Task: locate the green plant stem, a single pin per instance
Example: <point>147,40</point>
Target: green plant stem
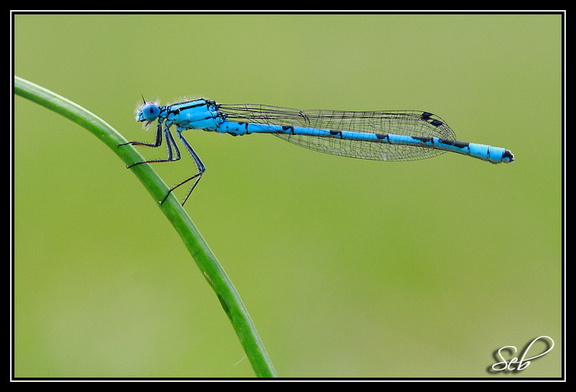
<point>198,248</point>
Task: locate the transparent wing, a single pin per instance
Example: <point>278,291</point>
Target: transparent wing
<point>411,123</point>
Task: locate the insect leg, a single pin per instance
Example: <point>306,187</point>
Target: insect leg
<point>170,144</point>
<point>196,177</point>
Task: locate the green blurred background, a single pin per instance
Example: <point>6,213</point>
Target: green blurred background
<point>349,268</point>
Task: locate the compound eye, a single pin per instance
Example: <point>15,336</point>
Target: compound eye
<point>150,112</point>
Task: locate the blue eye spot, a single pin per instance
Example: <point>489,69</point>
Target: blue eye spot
<point>149,112</point>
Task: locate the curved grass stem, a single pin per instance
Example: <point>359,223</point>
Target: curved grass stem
<point>196,245</point>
